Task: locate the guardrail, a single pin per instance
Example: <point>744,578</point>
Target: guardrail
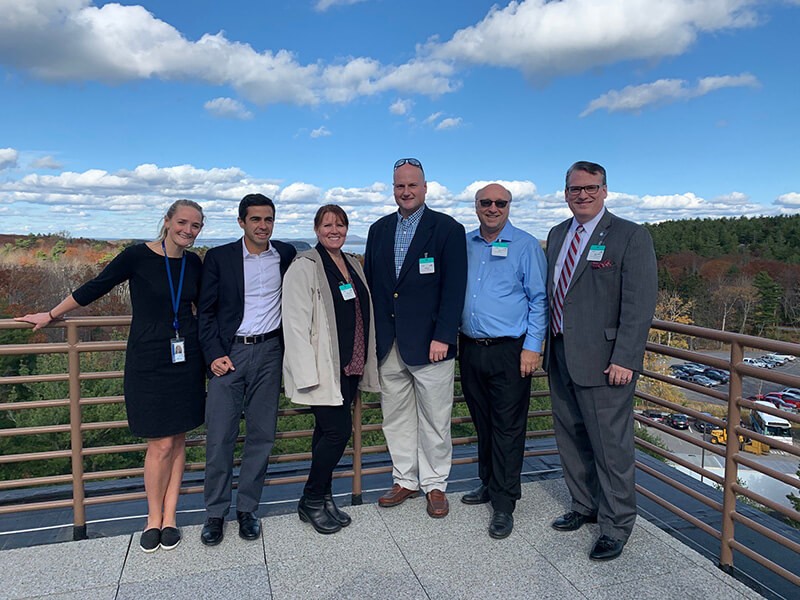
<point>733,455</point>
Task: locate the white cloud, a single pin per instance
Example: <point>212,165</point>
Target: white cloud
<point>8,158</point>
<point>790,200</point>
<point>73,40</point>
<point>320,132</point>
<point>323,5</point>
<point>545,39</point>
<point>401,107</point>
<point>635,97</point>
<point>432,117</point>
<point>448,123</point>
<point>46,162</point>
<point>228,108</point>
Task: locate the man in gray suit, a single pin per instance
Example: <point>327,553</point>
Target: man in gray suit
<point>602,284</point>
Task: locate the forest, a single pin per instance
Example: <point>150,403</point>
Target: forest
<point>739,274</point>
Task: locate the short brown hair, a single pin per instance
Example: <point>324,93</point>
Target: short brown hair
<point>335,209</point>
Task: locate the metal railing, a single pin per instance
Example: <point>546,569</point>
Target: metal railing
<point>73,347</point>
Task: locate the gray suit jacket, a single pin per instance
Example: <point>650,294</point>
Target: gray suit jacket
<point>610,303</point>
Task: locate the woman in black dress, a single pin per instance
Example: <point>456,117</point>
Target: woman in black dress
<point>164,375</point>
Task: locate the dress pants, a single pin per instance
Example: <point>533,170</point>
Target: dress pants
<point>498,399</point>
<point>254,386</point>
<point>417,405</point>
<point>594,432</point>
<point>332,428</point>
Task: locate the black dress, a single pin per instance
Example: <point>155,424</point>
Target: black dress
<point>161,398</point>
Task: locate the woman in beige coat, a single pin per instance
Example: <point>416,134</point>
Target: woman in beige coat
<point>328,328</point>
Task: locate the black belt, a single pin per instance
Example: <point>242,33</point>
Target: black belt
<point>489,341</point>
<point>257,339</point>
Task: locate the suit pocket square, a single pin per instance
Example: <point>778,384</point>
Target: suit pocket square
<point>604,264</point>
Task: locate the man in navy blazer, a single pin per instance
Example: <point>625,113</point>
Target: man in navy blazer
<point>239,313</point>
<point>416,266</point>
<point>602,284</point>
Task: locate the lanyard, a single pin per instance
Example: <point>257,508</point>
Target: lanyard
<point>176,298</point>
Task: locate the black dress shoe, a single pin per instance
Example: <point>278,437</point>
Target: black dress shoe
<point>339,516</point>
<point>249,525</point>
<point>573,521</point>
<point>212,533</point>
<point>313,511</point>
<point>606,548</point>
<point>501,525</point>
<point>480,495</point>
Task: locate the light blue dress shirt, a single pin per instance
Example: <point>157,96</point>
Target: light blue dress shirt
<point>506,295</point>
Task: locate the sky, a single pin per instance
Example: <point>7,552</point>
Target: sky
<point>111,111</point>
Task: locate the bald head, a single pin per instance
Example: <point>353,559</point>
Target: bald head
<point>492,205</point>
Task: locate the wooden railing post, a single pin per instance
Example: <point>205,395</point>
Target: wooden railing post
<point>731,468</point>
<point>355,498</point>
<point>76,437</point>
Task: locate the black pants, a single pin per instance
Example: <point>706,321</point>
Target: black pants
<point>498,399</point>
<point>331,432</point>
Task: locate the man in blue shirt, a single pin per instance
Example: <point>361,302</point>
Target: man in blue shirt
<point>503,326</point>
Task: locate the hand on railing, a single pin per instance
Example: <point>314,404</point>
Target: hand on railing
<point>38,320</point>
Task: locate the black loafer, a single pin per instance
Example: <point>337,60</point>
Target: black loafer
<point>212,533</point>
<point>606,548</point>
<point>501,525</point>
<point>170,537</point>
<point>480,495</point>
<point>249,525</point>
<point>572,521</point>
<point>150,540</point>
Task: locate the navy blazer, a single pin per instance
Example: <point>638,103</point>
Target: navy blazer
<point>220,309</point>
<point>609,305</point>
<point>417,308</point>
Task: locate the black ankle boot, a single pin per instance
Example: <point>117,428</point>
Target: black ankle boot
<point>313,511</point>
<point>339,516</point>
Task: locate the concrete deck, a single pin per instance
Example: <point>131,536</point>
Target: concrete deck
<point>386,553</point>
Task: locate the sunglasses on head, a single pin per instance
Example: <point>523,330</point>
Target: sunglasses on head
<point>408,161</point>
<point>486,203</point>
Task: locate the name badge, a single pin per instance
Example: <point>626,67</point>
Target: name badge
<point>500,249</point>
<point>178,350</point>
<point>348,293</point>
<point>596,253</point>
<point>426,266</point>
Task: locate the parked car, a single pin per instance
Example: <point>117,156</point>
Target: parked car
<point>788,357</point>
<point>693,368</point>
<point>755,362</point>
<point>702,426</point>
<point>703,380</point>
<point>717,374</point>
<point>654,415</point>
<point>771,364</point>
<point>795,391</point>
<point>783,402</point>
<point>676,370</point>
<point>779,360</point>
<point>678,421</point>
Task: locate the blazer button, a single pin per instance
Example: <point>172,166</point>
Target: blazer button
<point>396,295</point>
<point>392,315</point>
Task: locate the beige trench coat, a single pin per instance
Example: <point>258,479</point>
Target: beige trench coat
<point>311,360</point>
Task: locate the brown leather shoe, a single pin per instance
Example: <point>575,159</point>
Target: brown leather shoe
<point>397,495</point>
<point>438,506</point>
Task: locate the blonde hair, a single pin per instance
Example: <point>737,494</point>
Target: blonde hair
<point>162,234</point>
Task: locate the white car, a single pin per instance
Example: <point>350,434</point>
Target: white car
<point>782,357</point>
<point>755,362</point>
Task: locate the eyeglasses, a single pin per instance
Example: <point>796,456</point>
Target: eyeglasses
<point>408,161</point>
<point>574,190</point>
<point>486,203</point>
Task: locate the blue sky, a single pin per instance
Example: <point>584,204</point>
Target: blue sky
<point>112,111</point>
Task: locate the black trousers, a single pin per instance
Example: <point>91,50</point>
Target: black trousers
<point>332,428</point>
<point>498,399</point>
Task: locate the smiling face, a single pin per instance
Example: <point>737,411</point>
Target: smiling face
<point>409,188</point>
<point>331,232</point>
<point>183,227</point>
<point>257,226</point>
<point>583,205</point>
<point>493,217</point>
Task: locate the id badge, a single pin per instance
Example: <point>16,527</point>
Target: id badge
<point>426,266</point>
<point>596,253</point>
<point>348,293</point>
<point>178,350</point>
<point>500,249</point>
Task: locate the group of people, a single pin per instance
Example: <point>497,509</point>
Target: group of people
<point>256,313</point>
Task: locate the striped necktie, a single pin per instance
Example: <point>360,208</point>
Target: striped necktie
<point>557,312</point>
